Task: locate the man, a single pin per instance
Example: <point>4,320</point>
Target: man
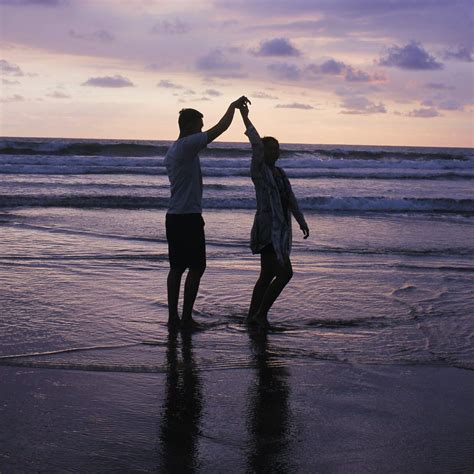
<point>184,222</point>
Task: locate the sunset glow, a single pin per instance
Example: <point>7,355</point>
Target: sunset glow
<point>340,71</point>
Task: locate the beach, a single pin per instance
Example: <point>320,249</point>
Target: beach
<point>367,366</point>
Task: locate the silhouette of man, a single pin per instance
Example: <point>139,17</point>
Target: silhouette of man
<point>184,222</point>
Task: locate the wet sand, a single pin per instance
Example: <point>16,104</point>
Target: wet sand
<point>262,415</point>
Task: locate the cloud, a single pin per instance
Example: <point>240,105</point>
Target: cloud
<point>8,82</point>
<point>215,60</point>
<point>410,56</point>
<point>102,36</point>
<point>346,8</point>
<point>108,81</point>
<point>355,75</point>
<point>276,47</point>
<point>285,71</point>
<point>59,95</point>
<point>438,86</point>
<point>263,95</point>
<point>461,54</point>
<point>44,3</point>
<point>12,98</point>
<point>158,67</point>
<point>171,27</point>
<point>165,83</point>
<point>331,67</point>
<point>432,21</point>
<point>450,105</point>
<point>358,105</point>
<point>424,113</point>
<point>10,69</point>
<point>213,92</point>
<point>294,105</point>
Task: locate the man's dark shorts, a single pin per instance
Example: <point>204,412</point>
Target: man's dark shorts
<point>186,241</point>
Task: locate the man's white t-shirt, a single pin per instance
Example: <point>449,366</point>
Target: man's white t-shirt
<point>184,172</point>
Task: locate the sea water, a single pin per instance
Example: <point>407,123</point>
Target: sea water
<point>385,277</point>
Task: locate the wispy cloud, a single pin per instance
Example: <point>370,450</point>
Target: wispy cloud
<point>276,47</point>
<point>12,98</point>
<point>59,95</point>
<point>109,81</point>
<point>424,113</point>
<point>332,67</point>
<point>438,86</point>
<point>358,105</point>
<point>284,71</point>
<point>263,95</point>
<point>213,93</point>
<point>294,105</point>
<point>462,53</point>
<point>410,56</point>
<point>216,60</point>
<point>10,69</point>
<point>102,36</point>
<point>8,82</point>
<point>167,84</point>
<point>171,27</point>
<point>44,3</point>
<point>450,104</point>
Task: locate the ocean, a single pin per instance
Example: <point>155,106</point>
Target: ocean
<point>384,280</point>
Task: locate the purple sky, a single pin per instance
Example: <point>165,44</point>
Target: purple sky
<point>318,71</point>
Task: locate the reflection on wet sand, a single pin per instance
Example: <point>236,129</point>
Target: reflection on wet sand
<point>269,418</point>
<point>182,408</point>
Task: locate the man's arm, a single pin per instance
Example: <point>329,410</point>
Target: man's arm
<point>226,120</point>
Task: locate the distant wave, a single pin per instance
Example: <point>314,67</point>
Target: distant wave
<point>424,154</point>
<point>99,148</point>
<point>137,148</point>
<point>80,149</point>
<point>317,203</point>
<point>297,167</point>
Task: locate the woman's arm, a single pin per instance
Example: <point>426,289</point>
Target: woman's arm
<point>255,141</point>
<point>295,209</point>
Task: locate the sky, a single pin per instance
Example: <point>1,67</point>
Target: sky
<point>369,72</point>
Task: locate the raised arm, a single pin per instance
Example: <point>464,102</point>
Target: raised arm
<point>255,141</point>
<point>226,120</point>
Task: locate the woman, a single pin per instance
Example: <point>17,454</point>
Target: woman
<point>271,231</point>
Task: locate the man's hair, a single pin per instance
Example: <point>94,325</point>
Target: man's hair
<point>187,117</point>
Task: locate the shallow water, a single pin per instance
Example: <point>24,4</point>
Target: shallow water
<point>366,290</point>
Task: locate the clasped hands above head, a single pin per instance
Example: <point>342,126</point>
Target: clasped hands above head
<point>241,102</point>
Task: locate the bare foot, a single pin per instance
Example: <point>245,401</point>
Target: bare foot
<point>256,320</point>
<point>250,320</point>
<point>189,324</point>
<point>261,321</point>
<point>173,322</point>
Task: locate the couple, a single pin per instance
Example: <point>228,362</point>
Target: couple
<point>271,231</point>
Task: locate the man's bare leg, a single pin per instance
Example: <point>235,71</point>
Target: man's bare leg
<point>191,287</point>
<point>174,284</point>
<point>283,275</point>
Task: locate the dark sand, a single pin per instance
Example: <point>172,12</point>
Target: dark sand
<point>265,416</point>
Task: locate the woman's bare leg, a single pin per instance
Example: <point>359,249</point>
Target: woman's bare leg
<point>267,273</point>
<point>283,274</point>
